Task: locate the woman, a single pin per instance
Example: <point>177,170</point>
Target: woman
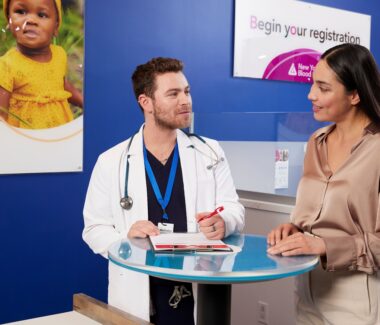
<point>337,212</point>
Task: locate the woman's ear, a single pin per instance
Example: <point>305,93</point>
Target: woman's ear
<point>355,99</point>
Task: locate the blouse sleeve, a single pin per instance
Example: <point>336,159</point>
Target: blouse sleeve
<point>360,252</point>
<point>61,60</point>
<point>6,79</point>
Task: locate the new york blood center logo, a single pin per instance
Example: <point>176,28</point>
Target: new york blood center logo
<point>297,65</point>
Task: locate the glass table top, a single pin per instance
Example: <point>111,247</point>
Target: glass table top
<point>248,263</point>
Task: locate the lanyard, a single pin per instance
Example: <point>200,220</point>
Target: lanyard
<point>169,187</point>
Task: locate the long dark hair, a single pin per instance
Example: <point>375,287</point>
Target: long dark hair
<point>357,70</point>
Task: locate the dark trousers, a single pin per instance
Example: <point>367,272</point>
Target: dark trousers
<point>160,293</point>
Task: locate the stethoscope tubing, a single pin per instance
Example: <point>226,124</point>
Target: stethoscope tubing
<point>126,202</point>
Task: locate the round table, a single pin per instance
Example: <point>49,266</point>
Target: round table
<point>214,272</point>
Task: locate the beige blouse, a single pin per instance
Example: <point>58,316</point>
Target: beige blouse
<point>343,208</point>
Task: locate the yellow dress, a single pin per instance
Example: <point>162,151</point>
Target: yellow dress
<point>38,97</point>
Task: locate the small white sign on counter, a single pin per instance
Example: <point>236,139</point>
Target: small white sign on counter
<point>281,169</point>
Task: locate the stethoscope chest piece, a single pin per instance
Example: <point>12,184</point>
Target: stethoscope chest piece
<point>126,202</point>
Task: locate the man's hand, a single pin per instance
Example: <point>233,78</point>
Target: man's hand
<point>299,244</point>
<point>281,232</point>
<point>213,227</point>
<point>142,229</point>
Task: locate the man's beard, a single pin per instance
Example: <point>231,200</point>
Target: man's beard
<point>170,124</point>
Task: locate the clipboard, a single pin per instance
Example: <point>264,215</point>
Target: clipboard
<point>186,242</point>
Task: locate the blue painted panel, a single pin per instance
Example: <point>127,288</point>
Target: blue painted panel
<point>44,261</point>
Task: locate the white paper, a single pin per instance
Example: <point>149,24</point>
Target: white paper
<point>192,241</point>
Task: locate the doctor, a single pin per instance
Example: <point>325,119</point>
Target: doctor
<point>160,178</point>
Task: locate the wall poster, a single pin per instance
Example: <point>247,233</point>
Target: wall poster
<point>283,39</point>
<point>41,79</point>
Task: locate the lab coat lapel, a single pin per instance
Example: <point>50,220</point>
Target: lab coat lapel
<point>137,181</point>
<point>137,284</point>
<point>189,176</point>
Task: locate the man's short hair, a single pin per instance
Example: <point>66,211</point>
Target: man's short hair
<point>144,77</point>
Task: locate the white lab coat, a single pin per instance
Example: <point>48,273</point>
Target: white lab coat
<point>106,222</point>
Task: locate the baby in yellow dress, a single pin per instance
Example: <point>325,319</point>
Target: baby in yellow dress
<point>33,90</point>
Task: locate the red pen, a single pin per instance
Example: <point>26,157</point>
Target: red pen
<point>213,213</point>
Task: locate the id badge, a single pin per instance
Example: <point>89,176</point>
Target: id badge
<point>166,227</point>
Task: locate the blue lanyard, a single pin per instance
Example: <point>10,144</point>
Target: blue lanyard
<point>169,187</point>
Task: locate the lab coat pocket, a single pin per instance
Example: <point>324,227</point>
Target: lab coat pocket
<point>129,291</point>
<point>115,284</point>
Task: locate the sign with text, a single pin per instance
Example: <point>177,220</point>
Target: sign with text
<point>283,39</point>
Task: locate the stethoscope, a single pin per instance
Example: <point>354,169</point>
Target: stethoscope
<point>126,202</point>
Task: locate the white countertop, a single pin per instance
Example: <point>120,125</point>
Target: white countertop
<point>68,318</point>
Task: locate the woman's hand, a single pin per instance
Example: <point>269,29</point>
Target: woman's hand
<point>281,232</point>
<point>299,244</point>
<point>142,229</point>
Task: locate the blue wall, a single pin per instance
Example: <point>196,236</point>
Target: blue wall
<point>43,259</point>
